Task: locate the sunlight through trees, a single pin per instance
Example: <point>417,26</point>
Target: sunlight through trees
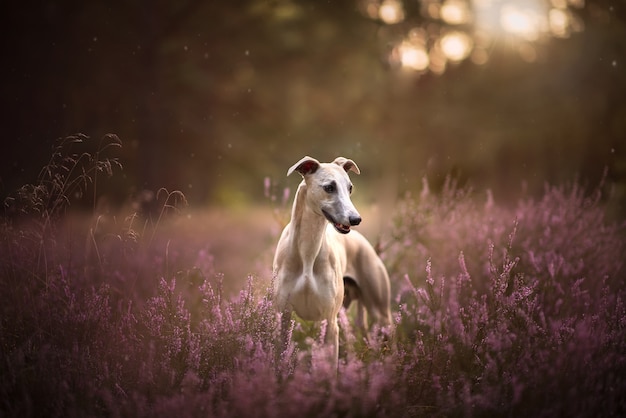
<point>210,97</point>
<point>444,31</point>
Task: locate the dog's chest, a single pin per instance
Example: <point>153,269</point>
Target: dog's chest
<point>315,298</point>
<point>315,294</point>
<point>312,281</point>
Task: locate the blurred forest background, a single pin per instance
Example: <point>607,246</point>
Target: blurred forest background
<point>212,97</point>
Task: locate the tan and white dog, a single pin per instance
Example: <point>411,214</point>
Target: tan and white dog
<point>321,265</point>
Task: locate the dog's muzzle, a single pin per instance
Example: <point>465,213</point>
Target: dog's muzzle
<point>342,228</point>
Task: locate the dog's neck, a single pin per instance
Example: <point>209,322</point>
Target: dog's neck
<point>309,229</point>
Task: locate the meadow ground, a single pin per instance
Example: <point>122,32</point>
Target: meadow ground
<point>499,311</point>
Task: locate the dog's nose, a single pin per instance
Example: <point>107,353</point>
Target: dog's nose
<point>355,220</point>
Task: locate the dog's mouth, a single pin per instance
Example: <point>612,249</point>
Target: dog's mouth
<point>341,228</point>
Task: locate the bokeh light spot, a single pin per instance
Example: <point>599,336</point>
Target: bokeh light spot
<point>455,12</point>
<point>456,46</point>
<point>413,56</point>
<point>522,22</point>
<point>391,11</point>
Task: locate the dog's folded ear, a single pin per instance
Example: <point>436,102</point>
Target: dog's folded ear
<point>347,164</point>
<point>306,165</point>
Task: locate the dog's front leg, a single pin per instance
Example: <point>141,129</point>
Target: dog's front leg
<point>332,341</point>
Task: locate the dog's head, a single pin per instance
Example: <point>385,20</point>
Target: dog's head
<point>329,189</point>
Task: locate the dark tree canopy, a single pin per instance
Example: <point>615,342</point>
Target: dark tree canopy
<point>211,97</point>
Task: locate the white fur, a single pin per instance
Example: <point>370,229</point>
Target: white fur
<point>317,249</point>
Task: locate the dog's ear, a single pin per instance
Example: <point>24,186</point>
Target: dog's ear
<point>306,165</point>
<point>347,164</point>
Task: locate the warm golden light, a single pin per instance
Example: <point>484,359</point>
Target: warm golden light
<point>457,30</point>
<point>524,23</point>
<point>391,11</point>
<point>456,46</point>
<point>559,22</point>
<point>437,60</point>
<point>413,56</point>
<point>455,12</point>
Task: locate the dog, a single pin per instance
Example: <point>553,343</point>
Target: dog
<point>320,263</point>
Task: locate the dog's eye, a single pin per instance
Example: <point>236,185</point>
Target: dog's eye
<point>330,188</point>
<point>350,189</point>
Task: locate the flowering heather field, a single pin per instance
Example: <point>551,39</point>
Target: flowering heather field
<point>498,311</point>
